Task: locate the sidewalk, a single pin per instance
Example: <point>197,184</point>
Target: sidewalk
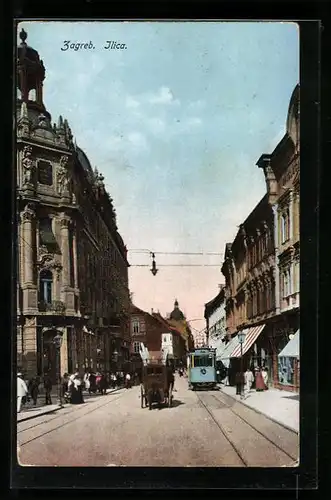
<point>29,411</point>
<point>280,406</point>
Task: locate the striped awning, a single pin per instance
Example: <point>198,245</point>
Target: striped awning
<point>250,337</point>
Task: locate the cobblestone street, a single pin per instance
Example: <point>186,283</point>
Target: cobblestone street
<point>207,428</point>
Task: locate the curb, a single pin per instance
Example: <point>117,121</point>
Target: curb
<point>29,417</point>
<point>46,411</point>
<point>261,413</point>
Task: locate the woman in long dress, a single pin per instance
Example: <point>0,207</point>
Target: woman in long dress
<point>75,388</point>
<point>259,382</point>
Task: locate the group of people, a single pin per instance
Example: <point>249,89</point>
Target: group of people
<point>245,381</point>
<point>100,382</point>
<point>72,386</point>
<point>30,390</point>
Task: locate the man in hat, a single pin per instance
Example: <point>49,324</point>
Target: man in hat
<point>22,391</point>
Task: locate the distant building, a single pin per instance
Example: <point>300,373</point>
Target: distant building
<point>177,319</point>
<point>216,322</point>
<point>147,329</point>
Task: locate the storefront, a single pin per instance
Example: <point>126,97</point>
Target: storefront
<point>226,358</point>
<point>246,354</point>
<point>288,364</point>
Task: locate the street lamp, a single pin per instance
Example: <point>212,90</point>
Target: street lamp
<point>57,341</point>
<point>241,340</point>
<point>153,269</point>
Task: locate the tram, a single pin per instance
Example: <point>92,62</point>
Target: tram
<point>201,368</point>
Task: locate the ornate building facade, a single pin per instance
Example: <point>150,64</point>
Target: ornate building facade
<point>282,173</point>
<point>72,267</point>
<point>261,265</point>
<point>249,271</point>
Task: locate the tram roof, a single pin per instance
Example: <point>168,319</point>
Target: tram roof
<point>202,350</point>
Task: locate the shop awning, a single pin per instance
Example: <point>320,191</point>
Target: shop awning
<point>227,353</point>
<point>220,349</point>
<point>292,349</point>
<point>250,337</point>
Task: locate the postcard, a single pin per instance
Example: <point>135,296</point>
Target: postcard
<point>158,243</point>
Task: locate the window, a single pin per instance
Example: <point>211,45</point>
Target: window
<point>45,173</point>
<point>203,361</point>
<point>46,235</point>
<point>286,283</point>
<point>135,326</point>
<point>286,368</point>
<point>285,226</point>
<point>136,347</point>
<point>45,286</point>
<point>32,95</point>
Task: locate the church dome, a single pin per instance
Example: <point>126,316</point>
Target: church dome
<point>177,314</point>
<point>25,51</point>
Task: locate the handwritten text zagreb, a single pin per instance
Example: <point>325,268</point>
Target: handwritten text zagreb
<point>109,45</point>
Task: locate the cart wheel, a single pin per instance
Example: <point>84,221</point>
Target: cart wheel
<point>142,397</point>
<point>170,397</point>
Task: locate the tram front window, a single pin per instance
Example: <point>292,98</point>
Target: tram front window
<point>203,361</point>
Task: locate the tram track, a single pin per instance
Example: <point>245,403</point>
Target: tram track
<point>223,404</point>
<point>295,458</point>
<point>221,428</point>
<point>49,421</point>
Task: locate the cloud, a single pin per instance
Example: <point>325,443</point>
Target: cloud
<point>199,104</point>
<point>156,125</point>
<point>138,140</point>
<point>163,96</point>
<point>131,102</point>
<point>193,121</point>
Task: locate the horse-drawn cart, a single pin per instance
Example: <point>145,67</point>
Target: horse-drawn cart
<point>155,386</point>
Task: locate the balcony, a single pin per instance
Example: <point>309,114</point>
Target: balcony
<point>54,307</point>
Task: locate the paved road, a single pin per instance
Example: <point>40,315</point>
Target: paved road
<point>201,429</point>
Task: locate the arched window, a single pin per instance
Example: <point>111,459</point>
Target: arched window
<point>45,286</point>
<point>32,95</point>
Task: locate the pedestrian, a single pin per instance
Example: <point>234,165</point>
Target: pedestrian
<point>48,388</point>
<point>34,389</point>
<point>97,381</point>
<point>75,388</point>
<point>64,384</point>
<point>128,380</point>
<point>93,384</point>
<point>87,383</point>
<point>22,391</point>
<point>114,380</point>
<point>226,377</point>
<point>103,384</point>
<point>239,379</point>
<point>249,379</point>
<point>259,382</point>
<point>265,377</point>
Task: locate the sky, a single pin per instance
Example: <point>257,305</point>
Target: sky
<point>175,122</point>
